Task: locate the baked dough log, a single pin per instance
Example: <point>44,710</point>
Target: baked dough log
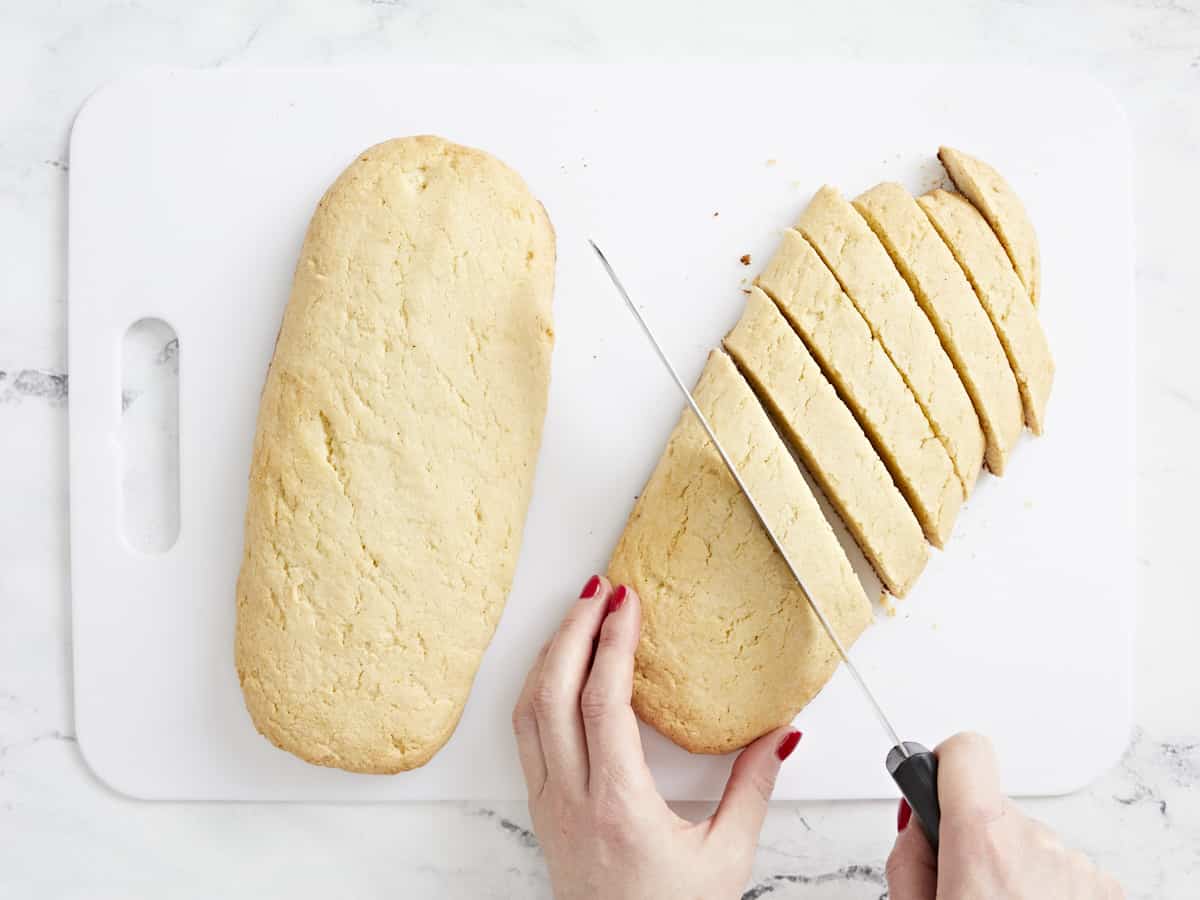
<point>992,196</point>
<point>394,457</point>
<point>854,360</point>
<point>860,263</point>
<point>1001,293</point>
<point>829,440</point>
<point>956,314</point>
<point>729,647</point>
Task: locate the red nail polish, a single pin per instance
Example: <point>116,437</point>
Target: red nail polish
<point>591,588</point>
<point>903,814</point>
<point>788,744</point>
<point>618,598</point>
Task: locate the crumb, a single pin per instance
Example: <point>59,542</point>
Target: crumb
<point>745,290</point>
<point>934,626</point>
<point>716,214</point>
<point>745,260</point>
<point>888,606</point>
<point>771,162</point>
<point>1029,504</point>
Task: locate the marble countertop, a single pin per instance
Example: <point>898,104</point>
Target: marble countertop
<point>63,834</point>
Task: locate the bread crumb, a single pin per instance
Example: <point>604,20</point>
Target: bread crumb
<point>771,162</point>
<point>745,260</point>
<point>716,214</point>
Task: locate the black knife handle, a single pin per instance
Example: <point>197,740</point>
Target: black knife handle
<point>916,776</point>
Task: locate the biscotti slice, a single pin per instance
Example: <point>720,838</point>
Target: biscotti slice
<point>855,362</point>
<point>729,647</point>
<point>992,196</point>
<point>1001,293</point>
<point>394,456</point>
<point>830,441</point>
<point>866,273</point>
<point>961,323</point>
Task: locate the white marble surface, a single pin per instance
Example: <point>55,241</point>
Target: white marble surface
<point>64,835</point>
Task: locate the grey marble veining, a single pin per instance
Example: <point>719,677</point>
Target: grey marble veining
<point>64,835</point>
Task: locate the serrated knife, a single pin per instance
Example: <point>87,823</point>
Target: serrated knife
<point>912,766</point>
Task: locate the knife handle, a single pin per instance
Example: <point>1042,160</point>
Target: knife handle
<point>916,776</point>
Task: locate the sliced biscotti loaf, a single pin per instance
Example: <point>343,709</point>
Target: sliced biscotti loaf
<point>866,273</point>
<point>1001,293</point>
<point>729,647</point>
<point>394,456</point>
<point>830,441</point>
<point>855,362</point>
<point>1000,205</point>
<point>943,292</point>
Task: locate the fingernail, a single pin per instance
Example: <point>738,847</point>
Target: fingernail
<point>591,588</point>
<point>903,814</point>
<point>788,744</point>
<point>618,598</point>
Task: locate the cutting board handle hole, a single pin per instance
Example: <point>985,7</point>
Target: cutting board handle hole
<point>149,436</point>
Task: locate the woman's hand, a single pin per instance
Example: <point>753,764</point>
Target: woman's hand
<point>988,847</point>
<point>605,831</point>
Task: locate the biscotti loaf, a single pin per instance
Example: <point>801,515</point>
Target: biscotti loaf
<point>814,420</point>
<point>1004,211</point>
<point>394,456</point>
<point>729,647</point>
<point>944,294</point>
<point>869,278</point>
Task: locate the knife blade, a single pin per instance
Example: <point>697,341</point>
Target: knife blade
<point>911,765</point>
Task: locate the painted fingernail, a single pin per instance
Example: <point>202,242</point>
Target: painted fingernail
<point>903,814</point>
<point>618,598</point>
<point>591,589</point>
<point>788,744</point>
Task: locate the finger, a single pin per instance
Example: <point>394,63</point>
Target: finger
<point>969,781</point>
<point>610,727</point>
<point>556,694</point>
<point>911,868</point>
<point>525,728</point>
<point>739,817</point>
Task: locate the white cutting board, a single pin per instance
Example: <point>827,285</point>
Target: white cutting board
<point>189,196</point>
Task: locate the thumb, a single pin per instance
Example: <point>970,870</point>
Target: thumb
<point>744,804</point>
<point>911,868</point>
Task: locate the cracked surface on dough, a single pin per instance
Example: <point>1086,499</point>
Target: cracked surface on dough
<point>832,444</point>
<point>869,278</point>
<point>729,647</point>
<point>855,362</point>
<point>988,268</point>
<point>962,325</point>
<point>394,456</point>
